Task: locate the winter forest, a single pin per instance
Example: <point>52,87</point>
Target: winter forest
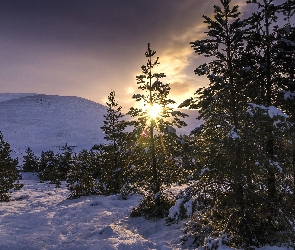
<point>236,170</point>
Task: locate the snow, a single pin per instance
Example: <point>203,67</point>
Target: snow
<point>40,217</point>
<point>247,68</point>
<point>174,211</point>
<point>48,122</point>
<point>279,117</point>
<point>273,111</point>
<point>203,171</point>
<point>233,134</point>
<point>288,42</point>
<point>10,96</point>
<point>289,95</point>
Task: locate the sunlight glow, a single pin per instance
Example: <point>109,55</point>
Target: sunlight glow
<point>154,110</point>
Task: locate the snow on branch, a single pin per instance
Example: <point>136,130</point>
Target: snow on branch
<point>278,117</point>
<point>233,134</point>
<point>288,95</point>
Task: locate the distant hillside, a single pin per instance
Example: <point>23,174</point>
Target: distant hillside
<point>47,122</point>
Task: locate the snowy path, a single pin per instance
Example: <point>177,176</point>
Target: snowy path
<point>40,217</point>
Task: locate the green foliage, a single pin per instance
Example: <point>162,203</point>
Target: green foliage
<point>8,170</point>
<point>64,160</point>
<point>216,212</point>
<point>82,176</point>
<point>155,142</point>
<point>242,151</point>
<point>49,168</point>
<point>113,154</point>
<point>31,162</point>
<point>55,167</point>
<point>149,208</point>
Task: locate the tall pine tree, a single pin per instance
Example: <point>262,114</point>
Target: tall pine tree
<point>157,140</point>
<point>241,128</point>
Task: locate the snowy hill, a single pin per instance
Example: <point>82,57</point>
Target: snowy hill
<point>48,122</point>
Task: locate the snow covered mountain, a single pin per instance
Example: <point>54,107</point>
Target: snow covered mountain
<point>48,122</point>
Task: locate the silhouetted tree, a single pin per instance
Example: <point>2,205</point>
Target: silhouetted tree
<point>8,170</point>
<point>156,137</point>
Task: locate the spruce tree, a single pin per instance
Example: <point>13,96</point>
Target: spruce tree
<point>262,47</point>
<point>271,70</point>
<point>8,170</point>
<point>221,105</point>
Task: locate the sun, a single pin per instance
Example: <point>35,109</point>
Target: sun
<point>154,110</point>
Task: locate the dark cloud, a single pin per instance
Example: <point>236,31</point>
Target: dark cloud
<point>88,47</point>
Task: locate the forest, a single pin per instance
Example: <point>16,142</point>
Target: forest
<point>237,169</point>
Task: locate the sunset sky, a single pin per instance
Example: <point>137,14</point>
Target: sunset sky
<point>87,48</point>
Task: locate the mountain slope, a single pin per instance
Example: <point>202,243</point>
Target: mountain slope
<point>48,122</point>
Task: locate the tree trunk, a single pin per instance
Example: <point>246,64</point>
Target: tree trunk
<point>156,187</point>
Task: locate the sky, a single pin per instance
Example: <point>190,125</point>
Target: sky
<point>87,48</point>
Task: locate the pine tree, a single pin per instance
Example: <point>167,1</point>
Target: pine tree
<point>81,178</point>
<point>271,70</point>
<point>240,130</point>
<point>31,161</point>
<point>64,160</point>
<point>114,152</point>
<point>221,106</point>
<point>49,168</point>
<point>8,170</point>
<point>262,46</point>
<point>286,58</point>
<point>156,137</point>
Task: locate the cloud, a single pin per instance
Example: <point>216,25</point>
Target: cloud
<point>87,48</point>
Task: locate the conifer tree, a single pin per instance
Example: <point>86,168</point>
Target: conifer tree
<point>114,152</point>
<point>240,129</point>
<point>64,160</point>
<point>286,58</point>
<point>271,70</point>
<point>221,104</point>
<point>48,169</point>
<point>8,170</point>
<point>262,47</point>
<point>155,132</point>
<point>82,176</point>
<point>31,161</point>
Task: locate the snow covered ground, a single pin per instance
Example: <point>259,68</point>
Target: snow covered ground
<point>40,217</point>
